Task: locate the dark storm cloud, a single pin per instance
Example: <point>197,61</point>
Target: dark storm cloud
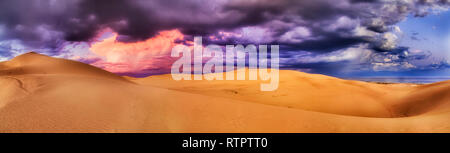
<point>329,68</point>
<point>74,20</point>
<point>309,25</point>
<point>400,54</point>
<point>329,43</point>
<point>331,24</point>
<point>437,66</point>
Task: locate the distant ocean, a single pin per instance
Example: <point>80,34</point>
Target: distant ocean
<point>415,79</point>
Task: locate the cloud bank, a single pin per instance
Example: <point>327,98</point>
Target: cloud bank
<point>328,31</point>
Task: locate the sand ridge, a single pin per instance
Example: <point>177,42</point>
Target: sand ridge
<point>44,94</point>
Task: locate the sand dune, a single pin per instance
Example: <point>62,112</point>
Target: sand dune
<point>44,94</point>
<point>34,63</point>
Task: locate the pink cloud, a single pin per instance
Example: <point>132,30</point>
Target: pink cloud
<point>149,56</point>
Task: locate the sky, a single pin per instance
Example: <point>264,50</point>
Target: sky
<point>332,37</point>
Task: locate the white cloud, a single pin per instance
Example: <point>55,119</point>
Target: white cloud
<point>15,47</point>
<point>348,54</point>
<point>256,34</point>
<point>363,31</point>
<point>343,22</point>
<point>296,35</point>
<point>392,66</point>
<point>386,41</point>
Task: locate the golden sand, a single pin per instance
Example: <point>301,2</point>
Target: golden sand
<point>44,94</point>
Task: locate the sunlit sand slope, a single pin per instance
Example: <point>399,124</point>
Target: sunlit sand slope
<point>44,94</point>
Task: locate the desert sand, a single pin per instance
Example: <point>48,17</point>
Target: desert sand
<point>45,94</point>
